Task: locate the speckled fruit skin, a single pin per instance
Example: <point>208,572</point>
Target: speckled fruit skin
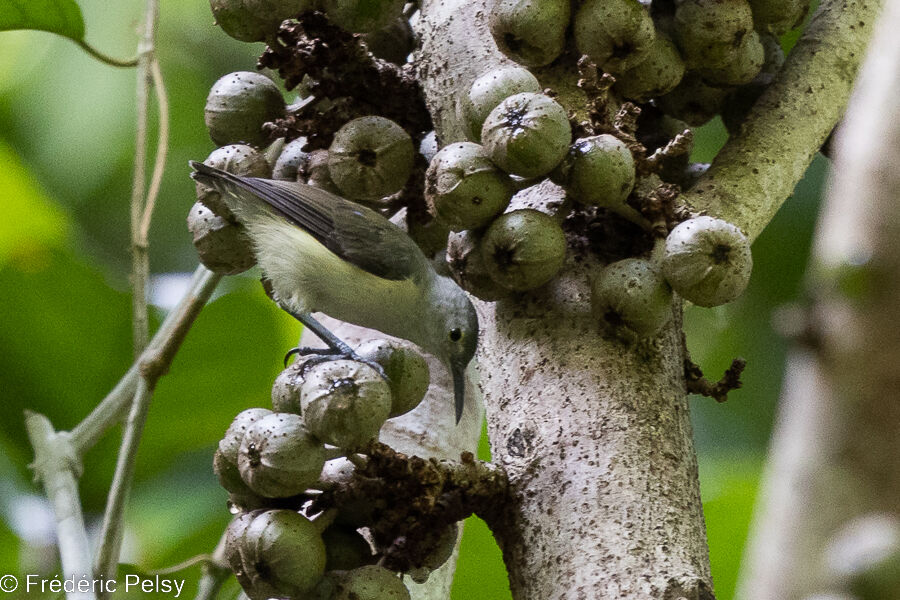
<point>254,20</point>
<point>230,443</point>
<point>632,294</point>
<point>393,43</point>
<point>228,474</point>
<point>707,31</point>
<point>406,370</point>
<point>359,513</point>
<point>317,171</point>
<point>286,387</point>
<point>223,247</point>
<point>439,555</point>
<point>345,548</point>
<point>656,75</point>
<point>778,16</point>
<point>234,535</point>
<point>745,64</point>
<point>238,105</point>
<point>345,402</point>
<point>693,101</point>
<point>429,233</point>
<point>530,32</point>
<point>464,188</point>
<point>468,269</point>
<point>523,249</point>
<point>282,554</point>
<point>597,171</point>
<point>489,90</point>
<point>616,35</point>
<point>239,159</point>
<point>371,583</point>
<point>370,157</point>
<point>527,134</point>
<point>428,147</point>
<point>291,162</point>
<point>244,20</point>
<point>707,261</point>
<point>742,99</point>
<point>363,16</point>
<point>278,457</point>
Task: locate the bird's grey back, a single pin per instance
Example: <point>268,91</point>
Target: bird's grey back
<point>354,232</point>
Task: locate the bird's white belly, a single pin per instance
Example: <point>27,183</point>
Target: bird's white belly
<point>309,277</point>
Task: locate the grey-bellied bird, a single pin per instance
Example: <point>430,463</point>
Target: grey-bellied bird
<point>324,253</point>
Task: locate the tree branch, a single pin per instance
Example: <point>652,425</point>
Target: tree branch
<point>698,384</point>
<point>162,148</point>
<point>758,168</point>
<point>595,436</point>
<point>140,258</point>
<point>215,573</point>
<point>158,356</point>
<point>834,452</point>
<point>55,465</point>
<point>114,515</point>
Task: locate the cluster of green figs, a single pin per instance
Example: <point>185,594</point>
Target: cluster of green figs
<point>688,60</point>
<point>691,58</point>
<point>322,412</point>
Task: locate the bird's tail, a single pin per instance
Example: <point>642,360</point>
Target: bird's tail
<point>211,176</point>
<point>237,194</point>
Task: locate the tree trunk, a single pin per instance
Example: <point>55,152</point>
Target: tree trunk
<point>595,435</point>
<point>834,455</point>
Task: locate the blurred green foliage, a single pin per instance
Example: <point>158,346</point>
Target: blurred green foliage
<point>62,17</point>
<point>66,144</point>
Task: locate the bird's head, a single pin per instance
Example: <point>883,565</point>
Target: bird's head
<point>454,334</point>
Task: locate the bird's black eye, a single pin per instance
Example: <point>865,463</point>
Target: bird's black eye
<point>455,335</point>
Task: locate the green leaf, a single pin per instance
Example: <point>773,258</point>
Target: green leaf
<point>62,17</point>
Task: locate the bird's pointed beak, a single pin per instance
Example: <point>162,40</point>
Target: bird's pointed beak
<point>459,388</point>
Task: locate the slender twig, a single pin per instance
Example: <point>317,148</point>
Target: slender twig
<point>159,353</point>
<point>55,465</point>
<point>114,516</point>
<point>200,559</point>
<point>162,147</point>
<point>628,212</point>
<point>140,258</point>
<point>58,454</point>
<point>105,58</point>
<point>215,572</point>
<point>108,413</point>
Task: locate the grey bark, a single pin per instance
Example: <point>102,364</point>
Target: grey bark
<point>595,435</point>
<point>834,455</point>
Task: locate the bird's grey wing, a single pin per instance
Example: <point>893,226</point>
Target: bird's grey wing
<point>357,234</point>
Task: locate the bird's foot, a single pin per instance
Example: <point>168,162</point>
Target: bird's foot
<point>307,351</point>
<point>320,355</point>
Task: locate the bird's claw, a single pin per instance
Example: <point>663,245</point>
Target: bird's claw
<point>320,355</point>
<point>306,351</point>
